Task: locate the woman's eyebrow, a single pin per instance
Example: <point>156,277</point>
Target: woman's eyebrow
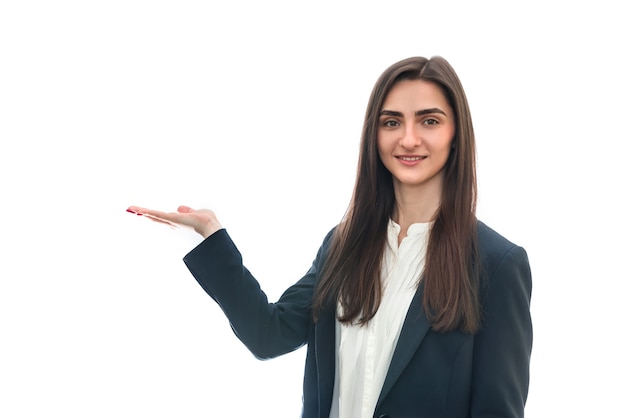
<point>417,113</point>
<point>390,113</point>
<point>429,111</point>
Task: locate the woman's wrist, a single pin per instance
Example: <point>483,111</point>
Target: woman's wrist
<point>210,228</point>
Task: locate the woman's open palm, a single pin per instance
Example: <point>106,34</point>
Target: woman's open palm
<point>203,221</point>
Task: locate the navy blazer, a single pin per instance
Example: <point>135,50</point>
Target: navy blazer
<point>432,374</point>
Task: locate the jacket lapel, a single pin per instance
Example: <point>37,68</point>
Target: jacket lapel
<point>325,358</point>
<point>413,331</point>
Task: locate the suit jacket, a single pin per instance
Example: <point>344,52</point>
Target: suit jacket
<point>432,374</point>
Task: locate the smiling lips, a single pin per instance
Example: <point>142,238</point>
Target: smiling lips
<point>410,159</point>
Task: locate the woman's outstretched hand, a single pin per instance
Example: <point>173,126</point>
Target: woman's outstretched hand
<point>203,221</point>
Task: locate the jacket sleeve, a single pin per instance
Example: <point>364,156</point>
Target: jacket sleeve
<point>267,329</point>
<point>503,346</point>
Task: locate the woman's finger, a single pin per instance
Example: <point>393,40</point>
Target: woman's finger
<point>161,220</point>
<point>170,218</point>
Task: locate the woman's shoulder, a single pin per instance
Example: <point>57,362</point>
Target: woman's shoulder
<point>491,239</point>
<point>506,279</point>
<point>322,252</point>
<point>494,248</point>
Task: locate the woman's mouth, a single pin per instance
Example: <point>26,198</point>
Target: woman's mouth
<point>416,158</point>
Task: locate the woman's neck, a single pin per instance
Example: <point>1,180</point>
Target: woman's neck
<point>415,205</point>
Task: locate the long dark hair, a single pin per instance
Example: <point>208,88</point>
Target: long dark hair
<point>351,273</point>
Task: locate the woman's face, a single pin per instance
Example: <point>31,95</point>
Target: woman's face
<point>415,133</point>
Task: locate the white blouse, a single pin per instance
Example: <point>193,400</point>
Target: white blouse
<point>363,353</point>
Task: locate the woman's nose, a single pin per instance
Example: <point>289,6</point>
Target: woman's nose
<point>410,138</point>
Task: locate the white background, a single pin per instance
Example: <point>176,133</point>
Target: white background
<point>254,109</point>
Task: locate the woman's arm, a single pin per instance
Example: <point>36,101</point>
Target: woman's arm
<point>267,329</point>
<point>503,345</point>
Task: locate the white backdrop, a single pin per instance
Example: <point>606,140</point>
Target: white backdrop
<point>254,109</point>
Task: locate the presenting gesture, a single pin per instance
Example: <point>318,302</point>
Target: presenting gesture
<point>412,306</point>
<point>203,221</point>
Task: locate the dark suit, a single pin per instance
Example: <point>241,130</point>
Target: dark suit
<point>432,374</point>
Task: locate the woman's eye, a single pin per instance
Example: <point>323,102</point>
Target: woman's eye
<point>430,121</point>
<point>391,123</point>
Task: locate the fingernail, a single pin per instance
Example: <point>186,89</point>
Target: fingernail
<point>132,211</point>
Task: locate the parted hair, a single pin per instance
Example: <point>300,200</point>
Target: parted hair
<point>450,280</point>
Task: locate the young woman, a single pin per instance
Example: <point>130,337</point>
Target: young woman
<point>413,307</point>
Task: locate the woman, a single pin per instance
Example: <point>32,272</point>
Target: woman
<point>413,307</point>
